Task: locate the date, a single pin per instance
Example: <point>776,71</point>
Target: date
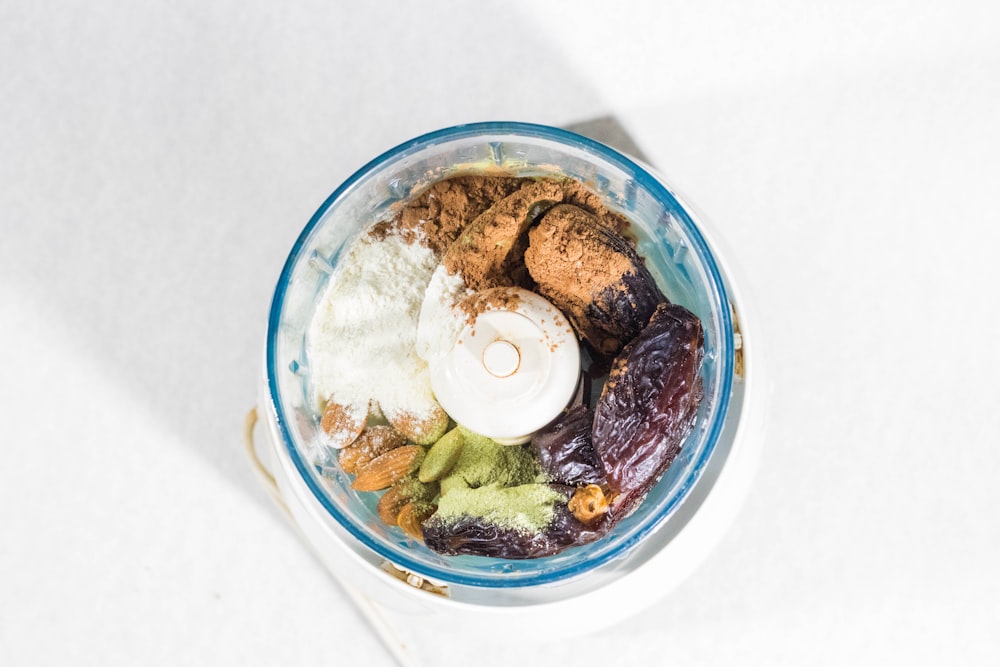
<point>649,404</point>
<point>611,301</point>
<point>474,536</point>
<point>565,450</point>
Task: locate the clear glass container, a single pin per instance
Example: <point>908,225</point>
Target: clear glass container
<point>676,254</point>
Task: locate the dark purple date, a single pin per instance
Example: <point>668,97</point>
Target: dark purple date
<point>649,404</point>
<point>473,536</point>
<point>565,450</point>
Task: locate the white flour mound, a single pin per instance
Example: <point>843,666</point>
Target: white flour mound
<point>440,322</point>
<point>361,341</point>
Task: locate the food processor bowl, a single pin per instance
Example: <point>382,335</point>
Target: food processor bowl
<point>645,553</point>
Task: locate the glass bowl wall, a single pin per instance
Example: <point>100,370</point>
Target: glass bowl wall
<point>675,252</point>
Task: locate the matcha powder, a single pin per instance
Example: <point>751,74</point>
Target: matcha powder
<point>525,508</point>
<point>502,485</point>
<point>484,462</point>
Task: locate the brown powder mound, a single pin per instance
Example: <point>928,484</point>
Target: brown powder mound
<point>437,216</point>
<point>570,260</point>
<point>443,210</point>
<point>577,194</point>
<point>486,254</point>
<point>593,275</point>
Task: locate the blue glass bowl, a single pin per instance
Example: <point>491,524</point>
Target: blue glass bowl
<point>676,253</point>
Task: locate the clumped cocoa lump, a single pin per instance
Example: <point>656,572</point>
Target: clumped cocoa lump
<point>484,254</point>
<point>444,209</point>
<point>575,193</point>
<point>593,275</point>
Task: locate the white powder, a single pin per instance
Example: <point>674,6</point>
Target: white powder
<point>440,319</point>
<point>360,343</point>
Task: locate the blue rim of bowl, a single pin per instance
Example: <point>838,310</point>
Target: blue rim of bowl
<point>658,190</point>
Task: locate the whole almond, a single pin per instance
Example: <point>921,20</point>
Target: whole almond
<point>412,515</point>
<point>373,442</point>
<point>399,494</point>
<point>422,430</point>
<point>387,469</point>
<point>343,423</point>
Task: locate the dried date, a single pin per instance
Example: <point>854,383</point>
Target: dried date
<point>565,450</point>
<point>608,304</point>
<point>649,404</point>
<point>473,536</point>
<point>488,252</point>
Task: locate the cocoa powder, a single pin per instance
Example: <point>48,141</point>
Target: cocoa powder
<point>569,257</point>
<point>577,194</point>
<point>572,264</point>
<point>488,251</point>
<point>478,225</point>
<point>439,214</point>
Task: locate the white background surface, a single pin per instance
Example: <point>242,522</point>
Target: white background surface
<point>158,159</point>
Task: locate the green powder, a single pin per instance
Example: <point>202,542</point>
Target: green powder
<point>527,507</point>
<point>503,485</point>
<point>484,462</point>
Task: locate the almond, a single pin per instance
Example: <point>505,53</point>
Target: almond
<point>343,423</point>
<point>399,494</point>
<point>421,430</point>
<point>391,502</point>
<point>389,468</point>
<point>412,515</point>
<point>373,442</point>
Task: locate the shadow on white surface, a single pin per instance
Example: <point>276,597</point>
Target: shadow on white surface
<point>153,209</point>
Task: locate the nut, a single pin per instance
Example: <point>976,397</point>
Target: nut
<point>343,423</point>
<point>399,494</point>
<point>412,515</point>
<point>389,468</point>
<point>442,456</point>
<point>373,442</point>
<point>421,431</point>
<point>588,503</point>
<point>392,501</point>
